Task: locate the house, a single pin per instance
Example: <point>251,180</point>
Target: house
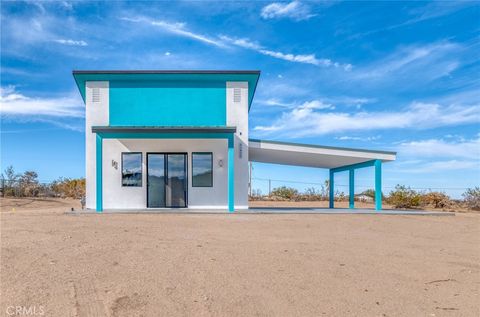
<point>180,139</point>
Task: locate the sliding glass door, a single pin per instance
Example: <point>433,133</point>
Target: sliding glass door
<point>167,180</point>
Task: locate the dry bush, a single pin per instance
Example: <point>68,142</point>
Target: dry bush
<point>404,197</point>
<point>68,187</point>
<point>311,194</point>
<point>284,192</point>
<point>472,198</point>
<point>436,200</point>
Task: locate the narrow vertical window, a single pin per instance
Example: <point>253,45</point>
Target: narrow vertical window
<point>132,169</point>
<point>202,169</point>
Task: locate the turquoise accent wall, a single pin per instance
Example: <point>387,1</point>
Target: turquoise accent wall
<point>168,103</point>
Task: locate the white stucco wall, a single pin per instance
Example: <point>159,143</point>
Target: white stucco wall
<point>117,197</point>
<point>237,115</point>
<point>96,113</point>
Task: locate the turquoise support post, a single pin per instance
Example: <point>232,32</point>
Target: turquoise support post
<point>99,154</point>
<point>378,184</point>
<point>351,188</point>
<point>330,190</point>
<point>231,174</point>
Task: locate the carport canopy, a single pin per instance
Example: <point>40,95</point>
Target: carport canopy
<point>336,159</point>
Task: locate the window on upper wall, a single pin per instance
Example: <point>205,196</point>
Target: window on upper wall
<point>132,169</point>
<point>202,169</point>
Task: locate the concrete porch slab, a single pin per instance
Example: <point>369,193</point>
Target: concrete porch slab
<point>268,210</point>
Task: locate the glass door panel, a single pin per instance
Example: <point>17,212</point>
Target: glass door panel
<point>156,180</point>
<point>176,186</point>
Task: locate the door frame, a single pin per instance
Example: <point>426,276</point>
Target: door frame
<point>165,169</point>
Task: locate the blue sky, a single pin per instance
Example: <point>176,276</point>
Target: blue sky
<point>378,75</point>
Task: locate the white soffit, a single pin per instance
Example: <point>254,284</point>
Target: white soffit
<point>311,155</point>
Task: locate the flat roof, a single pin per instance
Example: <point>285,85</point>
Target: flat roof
<point>163,129</point>
<point>311,155</point>
<point>250,76</point>
<point>166,72</point>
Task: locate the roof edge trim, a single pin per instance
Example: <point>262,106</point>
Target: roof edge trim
<point>162,129</point>
<point>323,146</point>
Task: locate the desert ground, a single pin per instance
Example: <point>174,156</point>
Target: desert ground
<point>236,264</point>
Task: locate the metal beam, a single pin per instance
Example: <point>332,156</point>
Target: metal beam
<point>354,166</point>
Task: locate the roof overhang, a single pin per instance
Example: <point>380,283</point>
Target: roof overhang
<point>312,155</point>
<point>250,76</point>
<point>162,129</point>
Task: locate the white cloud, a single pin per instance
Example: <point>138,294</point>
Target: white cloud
<point>71,42</point>
<point>176,28</point>
<point>294,10</point>
<point>224,41</point>
<point>15,104</point>
<point>427,62</point>
<point>465,149</point>
<point>275,103</point>
<point>313,104</point>
<point>357,138</point>
<point>300,58</point>
<point>308,121</point>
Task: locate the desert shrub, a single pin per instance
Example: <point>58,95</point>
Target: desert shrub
<point>436,200</point>
<point>311,194</point>
<point>404,197</point>
<point>285,192</point>
<point>369,193</point>
<point>69,187</point>
<point>340,196</point>
<point>256,194</point>
<point>29,186</point>
<point>9,181</point>
<point>472,198</point>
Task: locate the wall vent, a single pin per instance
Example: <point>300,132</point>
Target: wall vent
<point>96,95</point>
<point>237,95</point>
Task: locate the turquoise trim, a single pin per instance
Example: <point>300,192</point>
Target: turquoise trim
<point>331,185</point>
<point>228,136</point>
<point>378,184</point>
<point>188,135</point>
<point>163,103</point>
<point>99,171</point>
<point>231,174</point>
<point>353,166</point>
<point>251,78</point>
<point>351,188</point>
<point>351,182</point>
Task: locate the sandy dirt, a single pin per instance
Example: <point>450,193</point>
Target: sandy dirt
<point>237,264</point>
